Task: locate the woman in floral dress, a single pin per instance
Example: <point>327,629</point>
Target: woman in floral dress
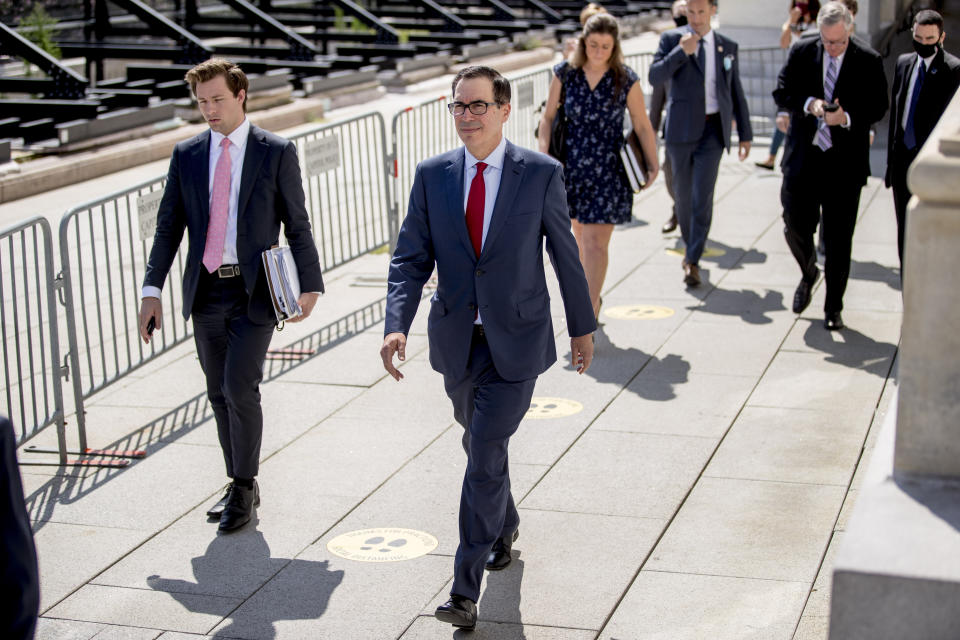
<point>599,87</point>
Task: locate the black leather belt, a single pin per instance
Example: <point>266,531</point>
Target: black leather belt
<point>713,116</point>
<point>478,331</point>
<point>227,271</point>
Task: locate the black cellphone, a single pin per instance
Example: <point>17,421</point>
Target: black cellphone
<point>830,106</point>
<point>151,325</point>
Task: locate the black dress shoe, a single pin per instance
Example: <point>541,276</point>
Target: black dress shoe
<point>669,225</point>
<point>833,321</point>
<point>239,507</point>
<point>458,611</point>
<point>801,297</point>
<point>217,510</point>
<point>499,557</point>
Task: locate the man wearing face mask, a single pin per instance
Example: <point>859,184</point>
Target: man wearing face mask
<point>923,84</point>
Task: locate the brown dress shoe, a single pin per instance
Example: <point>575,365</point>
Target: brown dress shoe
<point>691,275</point>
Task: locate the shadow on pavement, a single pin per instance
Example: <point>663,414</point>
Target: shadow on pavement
<point>231,558</point>
<point>851,348</point>
<point>875,272</point>
<point>500,603</point>
<point>746,304</point>
<point>70,486</point>
<point>649,377</point>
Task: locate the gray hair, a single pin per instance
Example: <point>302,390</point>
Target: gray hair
<point>832,13</point>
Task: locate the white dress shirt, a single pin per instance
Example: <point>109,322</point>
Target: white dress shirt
<point>913,82</point>
<point>491,182</point>
<point>710,72</point>
<point>237,148</point>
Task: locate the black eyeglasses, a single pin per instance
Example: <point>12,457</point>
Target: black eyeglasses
<point>477,107</point>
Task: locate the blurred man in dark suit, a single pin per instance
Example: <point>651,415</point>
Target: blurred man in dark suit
<point>835,89</point>
<point>923,85</point>
<point>19,576</point>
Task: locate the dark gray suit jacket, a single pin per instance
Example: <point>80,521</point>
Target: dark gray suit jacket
<point>507,280</point>
<point>19,577</point>
<point>271,193</point>
<point>686,102</point>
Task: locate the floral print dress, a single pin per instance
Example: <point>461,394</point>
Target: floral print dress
<point>596,190</point>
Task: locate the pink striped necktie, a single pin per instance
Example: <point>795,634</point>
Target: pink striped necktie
<point>219,207</point>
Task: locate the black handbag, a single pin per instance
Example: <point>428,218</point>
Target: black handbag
<point>558,130</point>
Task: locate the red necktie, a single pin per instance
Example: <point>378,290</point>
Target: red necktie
<point>475,205</point>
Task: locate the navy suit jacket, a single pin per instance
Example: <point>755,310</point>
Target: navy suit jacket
<point>861,90</point>
<point>686,103</point>
<point>271,192</point>
<point>19,578</point>
<point>939,84</point>
<point>507,281</point>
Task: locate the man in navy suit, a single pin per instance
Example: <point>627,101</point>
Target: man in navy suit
<point>835,89</point>
<point>480,215</point>
<point>19,576</point>
<point>917,100</point>
<point>232,187</point>
<point>705,97</point>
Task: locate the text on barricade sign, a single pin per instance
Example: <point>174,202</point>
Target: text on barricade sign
<point>322,155</point>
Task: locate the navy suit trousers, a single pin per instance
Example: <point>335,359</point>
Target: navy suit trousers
<point>490,409</point>
<point>232,349</point>
<point>695,166</point>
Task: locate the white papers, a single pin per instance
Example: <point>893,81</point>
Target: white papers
<point>283,282</point>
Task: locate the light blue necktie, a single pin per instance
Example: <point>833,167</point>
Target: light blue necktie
<point>822,138</point>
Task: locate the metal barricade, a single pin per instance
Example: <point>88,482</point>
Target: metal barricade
<point>640,63</point>
<point>345,171</point>
<point>104,246</point>
<point>759,67</point>
<point>29,340</point>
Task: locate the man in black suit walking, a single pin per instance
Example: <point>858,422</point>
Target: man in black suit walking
<point>920,94</point>
<point>835,89</point>
<point>19,578</point>
<point>231,187</point>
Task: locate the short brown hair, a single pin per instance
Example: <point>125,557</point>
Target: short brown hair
<point>235,77</point>
<point>501,86</point>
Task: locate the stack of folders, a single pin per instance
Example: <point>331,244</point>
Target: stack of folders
<point>633,161</point>
<point>283,282</point>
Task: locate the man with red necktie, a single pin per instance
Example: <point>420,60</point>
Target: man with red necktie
<point>480,214</point>
<point>232,187</point>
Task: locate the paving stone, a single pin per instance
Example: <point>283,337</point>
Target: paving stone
<point>792,445</point>
<point>173,635</point>
<point>678,606</point>
<point>148,494</point>
<point>750,529</point>
<point>818,604</point>
<point>190,557</point>
<point>661,400</point>
<point>54,629</point>
<point>157,385</point>
<point>722,348</point>
<point>536,587</point>
<point>155,609</point>
<point>810,381</point>
<point>648,477</point>
<point>113,632</point>
<point>318,595</point>
<point>869,341</point>
<point>659,282</point>
<point>70,555</point>
<point>429,628</point>
<point>425,494</point>
<point>341,364</point>
<point>813,628</point>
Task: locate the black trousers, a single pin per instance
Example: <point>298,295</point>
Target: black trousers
<point>899,163</point>
<point>232,349</point>
<point>490,409</point>
<point>824,186</point>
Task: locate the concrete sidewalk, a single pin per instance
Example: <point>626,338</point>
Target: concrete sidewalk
<point>693,484</point>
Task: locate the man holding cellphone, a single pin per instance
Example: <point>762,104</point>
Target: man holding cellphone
<point>835,88</point>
